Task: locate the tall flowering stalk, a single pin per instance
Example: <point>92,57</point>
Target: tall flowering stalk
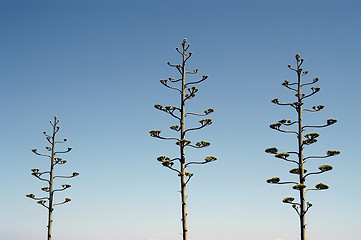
<point>303,140</point>
<point>187,91</point>
<point>48,176</point>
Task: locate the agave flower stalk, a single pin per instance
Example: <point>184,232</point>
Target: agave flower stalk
<point>48,176</point>
<point>303,140</point>
<point>187,91</point>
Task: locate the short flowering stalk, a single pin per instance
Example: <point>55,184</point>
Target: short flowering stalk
<point>303,140</point>
<point>187,91</point>
<point>48,201</point>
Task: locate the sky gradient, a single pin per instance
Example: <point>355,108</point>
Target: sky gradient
<point>97,65</point>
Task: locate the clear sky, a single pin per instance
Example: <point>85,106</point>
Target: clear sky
<point>97,65</point>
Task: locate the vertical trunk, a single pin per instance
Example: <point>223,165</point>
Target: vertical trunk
<point>184,205</point>
<point>182,152</point>
<point>50,218</point>
<point>300,160</point>
<point>51,190</point>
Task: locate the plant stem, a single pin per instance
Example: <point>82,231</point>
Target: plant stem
<point>51,191</point>
<point>300,160</point>
<point>182,151</point>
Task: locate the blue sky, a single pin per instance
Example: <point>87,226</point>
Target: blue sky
<point>97,65</point>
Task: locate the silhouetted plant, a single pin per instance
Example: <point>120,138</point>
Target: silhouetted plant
<point>187,91</point>
<point>48,176</point>
<point>304,140</point>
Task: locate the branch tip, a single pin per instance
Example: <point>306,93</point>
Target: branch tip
<point>272,150</point>
<point>273,180</point>
<point>331,121</point>
<point>210,158</point>
<point>30,195</point>
<point>288,200</point>
<point>154,133</point>
<point>282,155</point>
<point>299,186</point>
<point>322,186</point>
<point>325,168</point>
<point>297,171</point>
<point>332,152</point>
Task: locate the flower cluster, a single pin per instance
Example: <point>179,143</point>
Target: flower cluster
<point>166,108</point>
<point>206,122</point>
<point>175,127</point>
<point>284,121</point>
<point>325,168</point>
<point>210,158</point>
<point>275,101</point>
<point>208,111</point>
<point>41,201</point>
<point>188,174</point>
<point>203,144</point>
<point>288,200</point>
<point>275,125</point>
<point>332,152</point>
<point>331,121</point>
<point>165,161</point>
<point>35,172</point>
<point>299,186</point>
<point>285,83</point>
<point>311,138</point>
<point>318,108</point>
<point>273,180</point>
<point>184,141</point>
<point>321,186</point>
<point>59,161</point>
<point>282,155</point>
<point>272,150</point>
<point>154,133</point>
<point>30,195</point>
<point>297,171</point>
<point>315,89</point>
<point>45,189</point>
<point>296,104</point>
